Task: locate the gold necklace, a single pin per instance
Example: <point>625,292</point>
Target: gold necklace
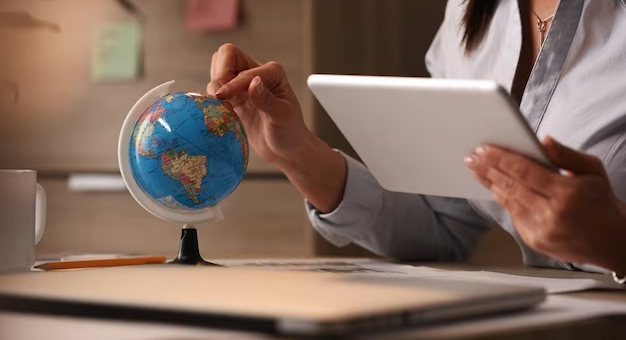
<point>542,25</point>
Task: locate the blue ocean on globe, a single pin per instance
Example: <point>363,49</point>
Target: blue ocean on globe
<point>188,151</point>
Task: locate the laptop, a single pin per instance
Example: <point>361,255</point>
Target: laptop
<point>413,133</point>
<point>259,300</point>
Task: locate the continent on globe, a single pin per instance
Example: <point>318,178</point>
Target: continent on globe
<point>219,120</point>
<point>144,130</point>
<point>189,170</point>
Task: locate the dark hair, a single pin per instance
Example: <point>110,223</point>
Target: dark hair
<point>476,20</point>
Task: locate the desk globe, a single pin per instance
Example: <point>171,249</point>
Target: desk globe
<point>180,154</point>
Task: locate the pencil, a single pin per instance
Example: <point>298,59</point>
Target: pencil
<point>130,261</point>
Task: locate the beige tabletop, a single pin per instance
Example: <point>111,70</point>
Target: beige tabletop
<point>26,326</point>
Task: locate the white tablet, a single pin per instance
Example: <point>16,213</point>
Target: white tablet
<point>413,133</point>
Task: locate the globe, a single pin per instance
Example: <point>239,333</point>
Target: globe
<point>185,152</point>
<point>188,151</point>
<point>180,154</point>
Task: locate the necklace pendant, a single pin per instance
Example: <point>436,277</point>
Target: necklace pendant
<point>541,25</point>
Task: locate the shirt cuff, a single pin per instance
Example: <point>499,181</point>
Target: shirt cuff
<point>362,198</point>
<point>591,268</point>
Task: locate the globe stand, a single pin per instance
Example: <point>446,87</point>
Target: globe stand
<point>188,250</point>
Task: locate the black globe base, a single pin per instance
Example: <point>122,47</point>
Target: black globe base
<point>188,250</point>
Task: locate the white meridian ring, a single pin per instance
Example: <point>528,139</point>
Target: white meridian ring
<point>147,202</point>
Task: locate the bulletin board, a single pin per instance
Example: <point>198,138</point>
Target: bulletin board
<point>64,121</point>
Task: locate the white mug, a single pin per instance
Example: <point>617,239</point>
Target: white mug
<point>22,219</point>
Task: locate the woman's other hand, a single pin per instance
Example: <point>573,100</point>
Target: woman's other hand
<point>573,217</point>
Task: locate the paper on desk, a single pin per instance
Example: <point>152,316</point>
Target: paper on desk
<point>336,266</point>
<point>367,267</point>
<point>551,285</point>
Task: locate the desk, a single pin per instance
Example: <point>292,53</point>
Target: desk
<point>26,327</point>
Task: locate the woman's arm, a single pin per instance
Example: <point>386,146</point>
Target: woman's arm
<point>262,97</point>
<point>398,225</point>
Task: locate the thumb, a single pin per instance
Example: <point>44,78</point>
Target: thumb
<point>263,99</point>
<point>572,160</point>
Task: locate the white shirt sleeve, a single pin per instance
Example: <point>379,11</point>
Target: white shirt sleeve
<point>398,225</point>
<point>446,44</point>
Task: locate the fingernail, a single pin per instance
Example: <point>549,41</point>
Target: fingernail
<point>220,91</point>
<point>259,86</point>
<point>480,150</point>
<point>497,193</point>
<point>469,161</point>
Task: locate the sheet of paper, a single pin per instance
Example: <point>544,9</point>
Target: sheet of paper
<point>211,15</point>
<point>117,51</point>
<point>552,285</point>
<point>374,268</point>
<point>337,266</point>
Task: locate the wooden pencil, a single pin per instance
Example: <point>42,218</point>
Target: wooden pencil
<point>130,261</point>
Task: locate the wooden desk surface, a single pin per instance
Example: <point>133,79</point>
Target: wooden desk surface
<point>25,326</point>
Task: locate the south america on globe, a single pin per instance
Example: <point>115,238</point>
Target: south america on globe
<point>188,151</point>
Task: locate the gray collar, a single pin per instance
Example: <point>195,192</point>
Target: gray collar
<point>547,70</point>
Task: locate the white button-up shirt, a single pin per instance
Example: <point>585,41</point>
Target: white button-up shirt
<point>576,93</point>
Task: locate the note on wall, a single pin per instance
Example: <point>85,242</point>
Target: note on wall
<point>117,51</point>
<point>211,15</point>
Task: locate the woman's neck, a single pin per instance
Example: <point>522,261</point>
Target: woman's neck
<point>530,40</point>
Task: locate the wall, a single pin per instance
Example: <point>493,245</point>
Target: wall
<point>64,122</point>
<point>253,226</point>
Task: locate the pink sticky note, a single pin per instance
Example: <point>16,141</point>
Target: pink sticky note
<point>211,15</point>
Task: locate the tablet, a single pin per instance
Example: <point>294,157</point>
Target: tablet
<point>414,133</point>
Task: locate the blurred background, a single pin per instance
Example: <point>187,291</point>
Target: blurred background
<point>70,70</point>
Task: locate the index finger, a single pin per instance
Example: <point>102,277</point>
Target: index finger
<point>271,74</point>
<point>228,62</point>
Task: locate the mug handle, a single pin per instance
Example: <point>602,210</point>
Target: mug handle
<point>41,205</point>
